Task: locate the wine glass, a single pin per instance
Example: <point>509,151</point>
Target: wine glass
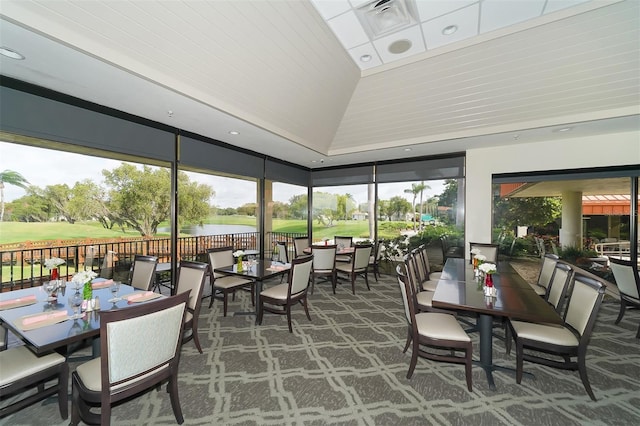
<point>115,287</point>
<point>50,287</point>
<point>76,303</point>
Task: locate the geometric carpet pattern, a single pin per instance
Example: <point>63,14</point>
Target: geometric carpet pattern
<point>346,367</point>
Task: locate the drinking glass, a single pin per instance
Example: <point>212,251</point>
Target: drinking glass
<point>76,303</point>
<point>115,287</point>
<point>50,287</point>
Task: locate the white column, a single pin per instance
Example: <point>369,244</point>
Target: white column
<point>571,231</point>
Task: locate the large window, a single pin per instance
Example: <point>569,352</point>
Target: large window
<point>342,211</point>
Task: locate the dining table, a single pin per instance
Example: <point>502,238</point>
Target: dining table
<point>259,271</point>
<point>59,329</point>
<point>459,289</point>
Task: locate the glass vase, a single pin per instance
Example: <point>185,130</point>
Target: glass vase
<point>488,281</point>
<point>239,266</point>
<point>87,291</point>
<point>54,274</point>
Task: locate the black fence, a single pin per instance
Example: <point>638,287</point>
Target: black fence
<point>24,266</point>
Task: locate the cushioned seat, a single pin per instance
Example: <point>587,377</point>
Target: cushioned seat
<point>219,257</point>
<point>440,326</point>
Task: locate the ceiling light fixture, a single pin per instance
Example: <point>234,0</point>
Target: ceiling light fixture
<point>407,149</point>
<point>234,132</point>
<point>10,53</point>
<point>365,58</point>
<point>448,30</point>
<point>564,129</point>
<point>385,16</point>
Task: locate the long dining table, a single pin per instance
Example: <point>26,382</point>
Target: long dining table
<point>458,289</point>
<point>49,337</point>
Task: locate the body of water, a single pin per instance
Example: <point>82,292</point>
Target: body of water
<point>211,229</point>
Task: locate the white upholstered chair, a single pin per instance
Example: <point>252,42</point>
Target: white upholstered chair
<point>359,265</point>
<point>143,272</point>
<point>191,277</point>
<point>628,282</point>
<point>544,277</point>
<point>324,265</point>
<point>219,257</point>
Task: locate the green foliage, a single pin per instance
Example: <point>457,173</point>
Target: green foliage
<point>431,235</point>
<point>527,211</point>
<point>571,254</point>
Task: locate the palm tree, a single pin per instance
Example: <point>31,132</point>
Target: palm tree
<point>12,178</point>
<point>415,190</point>
<point>422,187</point>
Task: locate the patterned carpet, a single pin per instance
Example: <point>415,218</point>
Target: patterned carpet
<point>347,367</point>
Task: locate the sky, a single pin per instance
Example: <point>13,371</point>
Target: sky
<point>42,167</point>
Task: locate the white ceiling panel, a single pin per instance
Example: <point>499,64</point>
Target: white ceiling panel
<point>429,9</point>
<point>503,13</point>
<point>332,8</point>
<point>464,21</point>
<point>348,29</point>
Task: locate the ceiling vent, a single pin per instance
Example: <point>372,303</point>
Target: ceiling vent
<point>381,17</point>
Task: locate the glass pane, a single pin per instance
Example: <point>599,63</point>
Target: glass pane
<point>343,211</point>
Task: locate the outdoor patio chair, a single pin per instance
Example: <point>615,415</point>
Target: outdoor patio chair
<point>628,281</point>
<point>568,341</point>
<point>191,277</point>
<point>131,362</point>
<point>435,336</point>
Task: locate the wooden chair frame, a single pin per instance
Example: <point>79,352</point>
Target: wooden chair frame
<point>144,283</point>
<point>319,270</point>
<point>195,298</point>
<point>628,283</point>
<point>237,282</point>
<point>359,265</point>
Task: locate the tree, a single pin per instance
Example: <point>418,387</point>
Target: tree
<point>415,190</point>
<point>142,197</point>
<point>298,206</point>
<point>422,187</point>
<point>59,195</point>
<point>10,178</point>
<point>32,207</point>
<point>526,211</point>
<point>398,206</point>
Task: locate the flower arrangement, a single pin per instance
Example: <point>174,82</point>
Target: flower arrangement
<point>53,263</point>
<point>238,253</point>
<point>83,277</point>
<point>481,257</point>
<point>488,268</point>
<point>475,251</point>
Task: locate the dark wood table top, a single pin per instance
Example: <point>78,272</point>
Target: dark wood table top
<point>262,270</point>
<point>458,289</point>
<point>50,337</point>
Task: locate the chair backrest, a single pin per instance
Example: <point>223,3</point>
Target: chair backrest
<point>191,277</point>
<point>140,344</point>
<point>626,276</point>
<point>299,275</point>
<point>361,254</point>
<point>549,262</point>
<point>343,242</point>
<point>219,257</point>
<point>283,251</point>
<point>410,271</point>
<point>584,303</point>
<point>559,284</point>
<point>299,244</point>
<point>418,270</point>
<point>490,251</point>
<point>406,291</point>
<point>143,271</point>
<point>324,258</point>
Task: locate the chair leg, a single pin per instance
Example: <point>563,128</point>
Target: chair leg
<point>224,302</point>
<point>519,361</point>
<point>63,389</point>
<point>253,294</point>
<point>313,282</point>
<point>75,401</point>
<point>306,309</point>
<point>467,369</point>
<point>623,306</point>
<point>507,340</point>
<point>353,284</point>
<point>366,280</point>
<point>196,339</point>
<point>334,281</point>
<point>289,318</point>
<point>409,338</point>
<point>175,399</point>
<point>260,311</point>
<point>638,333</point>
<point>582,368</point>
<point>414,358</point>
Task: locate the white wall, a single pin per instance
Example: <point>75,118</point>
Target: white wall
<point>598,151</point>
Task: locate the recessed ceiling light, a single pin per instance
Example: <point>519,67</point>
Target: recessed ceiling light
<point>365,58</point>
<point>400,46</point>
<point>448,30</point>
<point>564,129</point>
<point>234,132</point>
<point>407,149</point>
<point>10,53</point>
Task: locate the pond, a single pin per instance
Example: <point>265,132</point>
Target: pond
<point>213,229</point>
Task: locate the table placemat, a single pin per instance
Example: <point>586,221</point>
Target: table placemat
<point>31,322</point>
<point>101,284</point>
<point>141,296</point>
<point>18,302</point>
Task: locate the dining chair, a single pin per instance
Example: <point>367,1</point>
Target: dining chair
<point>374,260</point>
<point>143,272</point>
<point>433,275</point>
<point>422,270</point>
<point>283,256</point>
<point>191,277</point>
<point>433,334</point>
<point>342,243</point>
<point>299,244</point>
<point>280,298</point>
<point>422,298</point>
<point>21,370</point>
<point>547,267</point>
<point>628,281</point>
<point>219,257</point>
<point>3,338</point>
<point>131,363</point>
<point>450,251</point>
<point>324,265</point>
<point>490,251</point>
<point>568,341</point>
<point>559,285</point>
<point>359,265</point>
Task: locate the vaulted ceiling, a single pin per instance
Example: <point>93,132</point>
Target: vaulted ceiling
<point>276,73</point>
